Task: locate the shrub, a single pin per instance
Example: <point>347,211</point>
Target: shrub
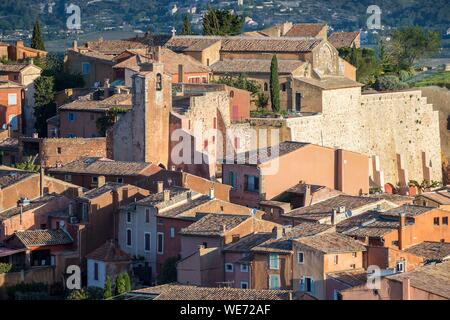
<point>81,294</point>
<point>389,83</point>
<point>20,289</point>
<point>5,268</point>
<point>168,272</point>
<point>107,292</point>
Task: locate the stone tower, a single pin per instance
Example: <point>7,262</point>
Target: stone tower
<point>142,134</point>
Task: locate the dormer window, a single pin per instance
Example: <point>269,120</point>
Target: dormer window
<point>159,82</point>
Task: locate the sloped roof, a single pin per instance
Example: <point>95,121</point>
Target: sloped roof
<point>431,250</point>
<point>331,82</point>
<point>39,238</point>
<point>10,176</point>
<point>305,30</point>
<point>9,84</point>
<point>351,278</point>
<point>191,43</point>
<point>86,103</point>
<point>214,225</point>
<point>246,243</point>
<point>343,39</point>
<point>109,252</point>
<point>9,144</point>
<point>441,196</point>
<point>409,210</point>
<point>324,209</point>
<point>431,278</point>
<point>332,243</point>
<point>104,166</point>
<point>12,67</point>
<point>269,44</point>
<point>255,66</point>
<point>114,47</point>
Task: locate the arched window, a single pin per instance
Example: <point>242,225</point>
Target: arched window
<point>159,82</point>
<point>231,94</point>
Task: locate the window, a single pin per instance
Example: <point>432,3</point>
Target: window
<point>301,257</point>
<point>147,241</point>
<point>96,271</point>
<point>129,242</point>
<point>354,254</point>
<point>337,295</point>
<point>244,285</point>
<point>307,284</point>
<point>207,62</point>
<point>231,94</point>
<point>237,143</point>
<point>12,99</point>
<point>128,217</point>
<point>160,243</point>
<point>159,82</point>
<point>266,86</point>
<point>71,117</point>
<point>119,180</point>
<point>436,221</point>
<point>445,220</point>
<point>274,281</point>
<point>86,68</point>
<point>59,150</point>
<point>251,183</point>
<point>205,144</point>
<point>229,267</point>
<point>172,232</point>
<point>400,266</point>
<point>283,87</point>
<point>353,266</point>
<point>14,122</point>
<point>147,215</point>
<point>232,179</point>
<point>85,212</point>
<point>215,123</point>
<point>244,267</point>
<point>205,245</point>
<point>336,259</point>
<point>274,263</point>
<point>68,177</point>
<point>94,179</point>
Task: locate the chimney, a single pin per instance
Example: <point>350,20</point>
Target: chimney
<point>166,195</point>
<point>125,194</point>
<point>224,228</point>
<point>31,61</point>
<point>101,181</point>
<point>160,187</point>
<point>406,289</point>
<point>401,231</point>
<point>19,44</point>
<point>79,192</point>
<point>180,73</point>
<point>189,196</point>
<point>278,232</point>
<point>41,181</point>
<point>307,197</point>
<point>75,45</point>
<point>211,193</point>
<point>334,217</point>
<point>157,53</point>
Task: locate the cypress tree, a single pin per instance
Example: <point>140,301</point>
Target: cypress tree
<point>37,42</point>
<point>274,85</point>
<point>107,292</point>
<point>187,29</point>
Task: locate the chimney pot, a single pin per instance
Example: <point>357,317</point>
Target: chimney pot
<point>166,195</point>
<point>334,217</point>
<point>101,181</point>
<point>160,187</point>
<point>211,193</point>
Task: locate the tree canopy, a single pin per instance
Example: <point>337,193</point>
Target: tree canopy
<point>37,41</point>
<point>187,29</point>
<point>218,22</point>
<point>274,85</point>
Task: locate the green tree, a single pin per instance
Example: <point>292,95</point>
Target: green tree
<point>168,272</point>
<point>123,283</point>
<point>274,85</point>
<point>127,280</point>
<point>240,82</point>
<point>45,106</point>
<point>412,43</point>
<point>187,29</point>
<point>218,22</point>
<point>37,42</point>
<point>29,164</point>
<point>109,119</point>
<point>107,291</point>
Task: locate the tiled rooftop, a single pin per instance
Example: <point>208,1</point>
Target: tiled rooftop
<point>324,209</point>
<point>430,278</point>
<point>86,103</point>
<point>351,278</point>
<point>410,211</point>
<point>254,66</point>
<point>246,243</point>
<point>331,82</point>
<point>9,144</point>
<point>10,176</point>
<point>332,243</point>
<point>102,166</point>
<point>263,155</point>
<point>33,205</point>
<point>214,225</point>
<point>109,252</point>
<point>305,30</point>
<point>12,67</point>
<point>108,187</point>
<point>343,39</point>
<point>431,250</point>
<point>181,209</point>
<point>39,238</point>
<point>179,292</point>
<point>441,196</point>
<point>114,47</point>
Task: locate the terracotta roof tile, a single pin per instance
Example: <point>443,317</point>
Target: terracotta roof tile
<point>103,166</point>
<point>351,278</point>
<point>305,30</point>
<point>332,243</point>
<point>109,252</point>
<point>38,238</point>
<point>255,66</point>
<point>431,250</point>
<point>114,47</point>
<point>246,243</point>
<point>441,196</point>
<point>86,103</point>
<point>12,67</point>
<point>269,44</point>
<point>343,39</point>
<point>214,225</point>
<point>10,176</point>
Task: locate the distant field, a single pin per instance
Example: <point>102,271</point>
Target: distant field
<point>441,79</point>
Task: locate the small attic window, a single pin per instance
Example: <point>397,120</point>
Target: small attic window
<point>448,123</point>
<point>159,82</point>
